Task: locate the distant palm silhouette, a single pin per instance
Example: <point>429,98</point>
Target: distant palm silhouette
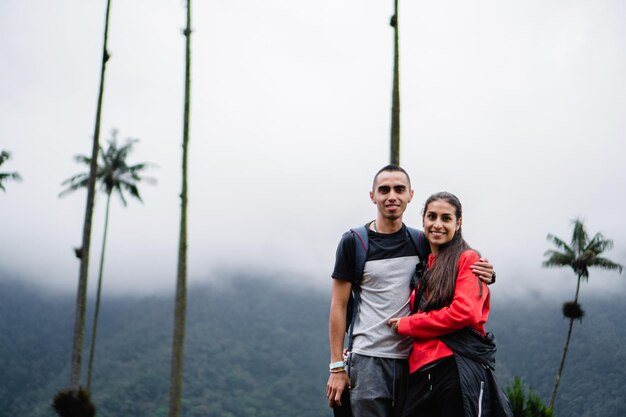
<point>4,176</point>
<point>113,174</point>
<point>581,254</point>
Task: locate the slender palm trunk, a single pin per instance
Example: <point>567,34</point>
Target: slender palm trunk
<point>557,381</point>
<point>395,99</point>
<point>577,288</point>
<point>81,293</point>
<point>178,342</point>
<point>96,313</point>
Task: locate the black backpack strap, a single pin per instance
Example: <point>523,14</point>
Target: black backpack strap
<point>423,250</point>
<point>419,240</point>
<point>420,289</point>
<point>361,244</point>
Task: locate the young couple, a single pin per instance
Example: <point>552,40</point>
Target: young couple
<point>438,326</point>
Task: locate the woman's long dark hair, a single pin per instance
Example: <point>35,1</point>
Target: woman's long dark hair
<point>440,280</point>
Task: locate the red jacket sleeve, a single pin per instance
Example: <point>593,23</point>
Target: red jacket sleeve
<point>467,308</point>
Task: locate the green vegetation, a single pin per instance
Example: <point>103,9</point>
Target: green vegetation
<point>70,403</point>
<point>581,254</point>
<point>526,404</point>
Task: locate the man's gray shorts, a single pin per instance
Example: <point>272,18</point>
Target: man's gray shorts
<point>379,385</point>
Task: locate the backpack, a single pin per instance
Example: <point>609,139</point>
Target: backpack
<point>361,245</point>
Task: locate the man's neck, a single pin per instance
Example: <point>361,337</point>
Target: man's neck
<point>386,226</point>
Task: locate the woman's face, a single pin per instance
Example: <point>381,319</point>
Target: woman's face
<point>440,223</point>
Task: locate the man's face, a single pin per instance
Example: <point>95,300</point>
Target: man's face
<point>391,194</point>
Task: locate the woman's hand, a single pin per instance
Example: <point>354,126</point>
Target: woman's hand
<point>393,323</point>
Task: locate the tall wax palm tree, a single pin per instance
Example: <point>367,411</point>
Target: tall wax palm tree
<point>5,156</point>
<point>581,254</point>
<point>180,306</point>
<point>75,395</point>
<point>394,152</point>
<point>83,251</point>
<point>114,174</point>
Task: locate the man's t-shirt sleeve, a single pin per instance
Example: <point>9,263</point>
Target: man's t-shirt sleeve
<point>344,258</point>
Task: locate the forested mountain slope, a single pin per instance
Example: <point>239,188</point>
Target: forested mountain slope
<point>255,348</point>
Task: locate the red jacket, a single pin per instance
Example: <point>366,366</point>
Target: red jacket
<point>467,309</point>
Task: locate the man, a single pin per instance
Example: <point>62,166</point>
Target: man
<point>378,361</point>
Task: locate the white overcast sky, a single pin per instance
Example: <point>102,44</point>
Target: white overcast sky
<point>519,108</point>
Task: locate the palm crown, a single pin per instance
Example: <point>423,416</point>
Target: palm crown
<point>5,156</point>
<point>582,253</point>
<point>113,172</point>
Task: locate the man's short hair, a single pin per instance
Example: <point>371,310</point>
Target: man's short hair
<point>391,168</point>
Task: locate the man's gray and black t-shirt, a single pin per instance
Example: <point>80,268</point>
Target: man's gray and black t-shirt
<point>385,290</point>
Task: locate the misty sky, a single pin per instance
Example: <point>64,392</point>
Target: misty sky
<point>517,107</point>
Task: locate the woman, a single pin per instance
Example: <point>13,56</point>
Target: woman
<point>452,356</point>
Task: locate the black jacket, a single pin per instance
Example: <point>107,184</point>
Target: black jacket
<point>475,356</point>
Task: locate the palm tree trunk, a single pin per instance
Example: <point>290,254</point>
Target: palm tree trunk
<point>577,288</point>
<point>81,293</point>
<point>395,100</point>
<point>178,342</point>
<point>96,313</point>
<point>557,381</point>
